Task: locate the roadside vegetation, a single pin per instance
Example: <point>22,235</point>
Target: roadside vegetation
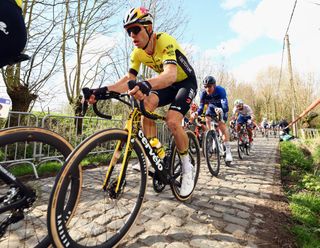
<point>300,171</point>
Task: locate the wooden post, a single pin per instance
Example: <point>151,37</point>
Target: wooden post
<point>294,99</point>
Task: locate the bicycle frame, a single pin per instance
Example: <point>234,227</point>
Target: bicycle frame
<point>10,179</point>
<point>133,127</point>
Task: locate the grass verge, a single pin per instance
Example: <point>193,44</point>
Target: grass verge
<point>301,179</point>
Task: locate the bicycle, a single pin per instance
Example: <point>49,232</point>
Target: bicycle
<point>198,127</point>
<point>243,144</point>
<point>22,200</point>
<point>214,147</point>
<point>232,131</point>
<point>112,192</point>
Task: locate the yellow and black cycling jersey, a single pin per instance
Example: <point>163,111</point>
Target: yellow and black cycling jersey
<point>167,51</point>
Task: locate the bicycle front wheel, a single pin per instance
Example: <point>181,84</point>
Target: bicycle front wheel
<point>102,216</point>
<point>241,147</point>
<point>211,148</point>
<point>19,145</point>
<point>176,166</point>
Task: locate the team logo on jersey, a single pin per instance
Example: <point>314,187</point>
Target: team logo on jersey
<point>3,28</point>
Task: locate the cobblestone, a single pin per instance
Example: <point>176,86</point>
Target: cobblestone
<point>220,214</point>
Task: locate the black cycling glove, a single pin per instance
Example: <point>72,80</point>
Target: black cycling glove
<point>145,87</point>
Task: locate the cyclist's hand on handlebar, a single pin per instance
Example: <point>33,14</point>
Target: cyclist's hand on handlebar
<point>139,89</point>
<point>218,111</point>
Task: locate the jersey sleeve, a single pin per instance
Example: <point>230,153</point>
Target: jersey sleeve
<point>134,63</point>
<point>250,112</point>
<point>224,99</point>
<point>234,111</point>
<point>201,105</point>
<point>169,51</point>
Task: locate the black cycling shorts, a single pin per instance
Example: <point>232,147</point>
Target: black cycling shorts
<point>13,34</point>
<point>179,95</point>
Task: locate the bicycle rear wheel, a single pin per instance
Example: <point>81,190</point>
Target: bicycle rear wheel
<point>102,217</point>
<point>176,165</point>
<point>18,146</point>
<point>211,148</point>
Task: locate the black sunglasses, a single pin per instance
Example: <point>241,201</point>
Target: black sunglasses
<point>135,29</point>
<point>208,86</point>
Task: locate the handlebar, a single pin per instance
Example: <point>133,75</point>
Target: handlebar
<point>118,96</point>
<point>110,94</point>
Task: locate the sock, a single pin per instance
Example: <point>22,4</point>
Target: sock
<point>186,164</point>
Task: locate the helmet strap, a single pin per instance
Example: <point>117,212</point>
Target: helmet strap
<point>149,35</point>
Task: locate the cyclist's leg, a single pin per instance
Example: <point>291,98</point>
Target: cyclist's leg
<point>208,122</point>
<point>13,35</point>
<point>186,91</point>
<point>226,138</point>
<point>149,128</point>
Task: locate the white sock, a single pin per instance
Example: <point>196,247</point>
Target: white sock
<point>186,164</point>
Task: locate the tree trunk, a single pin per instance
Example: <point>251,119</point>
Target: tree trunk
<point>78,112</point>
<point>21,99</point>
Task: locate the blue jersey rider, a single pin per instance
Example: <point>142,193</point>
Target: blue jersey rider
<point>215,97</point>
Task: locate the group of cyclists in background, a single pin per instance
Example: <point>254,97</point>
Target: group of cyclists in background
<point>214,101</point>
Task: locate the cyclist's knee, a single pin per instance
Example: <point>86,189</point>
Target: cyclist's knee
<point>173,120</point>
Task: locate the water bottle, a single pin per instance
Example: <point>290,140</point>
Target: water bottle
<point>155,143</point>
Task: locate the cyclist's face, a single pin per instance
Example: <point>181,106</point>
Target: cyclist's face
<point>138,35</point>
<point>240,106</point>
<point>209,88</point>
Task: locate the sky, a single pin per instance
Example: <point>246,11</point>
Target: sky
<point>249,34</point>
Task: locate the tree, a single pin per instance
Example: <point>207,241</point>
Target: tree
<point>85,52</point>
<point>24,82</point>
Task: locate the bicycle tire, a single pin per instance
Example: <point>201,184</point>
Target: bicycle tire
<point>213,159</point>
<point>176,166</point>
<point>34,236</point>
<point>248,148</point>
<point>240,147</point>
<point>87,228</point>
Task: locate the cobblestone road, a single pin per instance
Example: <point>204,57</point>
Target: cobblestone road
<point>223,211</point>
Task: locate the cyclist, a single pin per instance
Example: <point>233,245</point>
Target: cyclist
<point>243,113</point>
<point>198,121</point>
<point>215,97</point>
<point>13,35</point>
<point>264,126</point>
<point>175,83</point>
<point>283,125</point>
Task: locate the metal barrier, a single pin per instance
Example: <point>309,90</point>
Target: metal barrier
<point>22,119</point>
<point>74,129</point>
<point>310,133</point>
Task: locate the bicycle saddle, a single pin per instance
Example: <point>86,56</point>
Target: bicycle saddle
<point>21,57</point>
